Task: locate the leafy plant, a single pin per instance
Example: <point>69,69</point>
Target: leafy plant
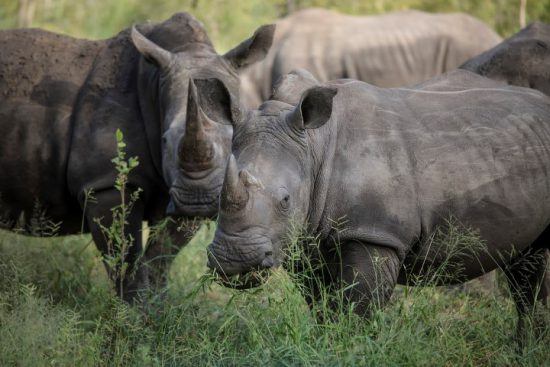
<point>117,239</point>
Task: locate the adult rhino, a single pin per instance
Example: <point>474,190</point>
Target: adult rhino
<point>62,99</point>
<point>390,50</point>
<point>397,164</point>
<point>523,59</point>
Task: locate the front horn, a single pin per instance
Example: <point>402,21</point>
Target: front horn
<point>196,149</point>
<point>234,195</point>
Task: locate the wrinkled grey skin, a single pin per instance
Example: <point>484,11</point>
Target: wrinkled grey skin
<point>64,98</point>
<point>389,50</point>
<point>396,164</point>
<point>522,60</point>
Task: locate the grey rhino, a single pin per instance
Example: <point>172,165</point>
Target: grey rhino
<point>389,50</point>
<point>397,164</point>
<point>523,59</point>
<point>64,98</point>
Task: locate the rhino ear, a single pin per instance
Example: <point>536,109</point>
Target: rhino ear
<point>215,100</point>
<point>314,109</point>
<point>253,49</point>
<point>152,52</point>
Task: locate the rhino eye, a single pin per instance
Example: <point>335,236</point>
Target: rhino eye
<point>284,201</point>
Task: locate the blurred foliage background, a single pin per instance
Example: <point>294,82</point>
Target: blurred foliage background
<point>230,21</point>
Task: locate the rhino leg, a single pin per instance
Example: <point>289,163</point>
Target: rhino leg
<point>525,275</point>
<point>131,278</point>
<point>314,276</point>
<point>165,243</point>
<point>368,274</point>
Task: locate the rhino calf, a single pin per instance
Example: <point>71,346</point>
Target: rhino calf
<point>396,163</point>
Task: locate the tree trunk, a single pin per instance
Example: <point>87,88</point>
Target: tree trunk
<point>290,6</point>
<point>26,13</point>
<point>522,6</point>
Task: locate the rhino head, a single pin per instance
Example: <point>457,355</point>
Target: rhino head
<point>268,182</point>
<point>193,94</point>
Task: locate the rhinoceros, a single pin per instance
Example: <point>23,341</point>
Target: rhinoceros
<point>62,100</point>
<point>523,59</point>
<point>389,50</point>
<point>396,166</point>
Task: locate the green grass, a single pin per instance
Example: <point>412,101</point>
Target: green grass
<point>57,308</point>
<point>230,22</point>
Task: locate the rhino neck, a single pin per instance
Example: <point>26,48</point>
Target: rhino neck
<point>322,147</point>
<point>148,92</point>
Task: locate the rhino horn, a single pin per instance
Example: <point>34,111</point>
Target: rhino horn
<point>234,193</point>
<point>196,149</point>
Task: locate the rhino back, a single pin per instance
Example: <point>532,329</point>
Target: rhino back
<point>45,67</point>
<point>40,77</point>
<point>414,157</point>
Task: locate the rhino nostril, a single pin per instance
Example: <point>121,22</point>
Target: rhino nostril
<point>267,262</point>
<point>171,208</point>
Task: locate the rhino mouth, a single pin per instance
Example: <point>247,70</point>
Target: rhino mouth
<point>193,203</point>
<point>240,266</point>
<point>247,280</point>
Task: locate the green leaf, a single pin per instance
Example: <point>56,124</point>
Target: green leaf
<point>119,136</point>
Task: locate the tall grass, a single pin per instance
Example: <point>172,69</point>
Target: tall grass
<point>58,309</point>
<point>57,306</point>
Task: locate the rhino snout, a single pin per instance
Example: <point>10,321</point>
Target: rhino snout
<point>231,260</point>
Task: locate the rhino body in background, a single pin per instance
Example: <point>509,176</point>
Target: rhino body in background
<point>62,100</point>
<point>522,60</point>
<point>390,50</point>
<point>397,164</point>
